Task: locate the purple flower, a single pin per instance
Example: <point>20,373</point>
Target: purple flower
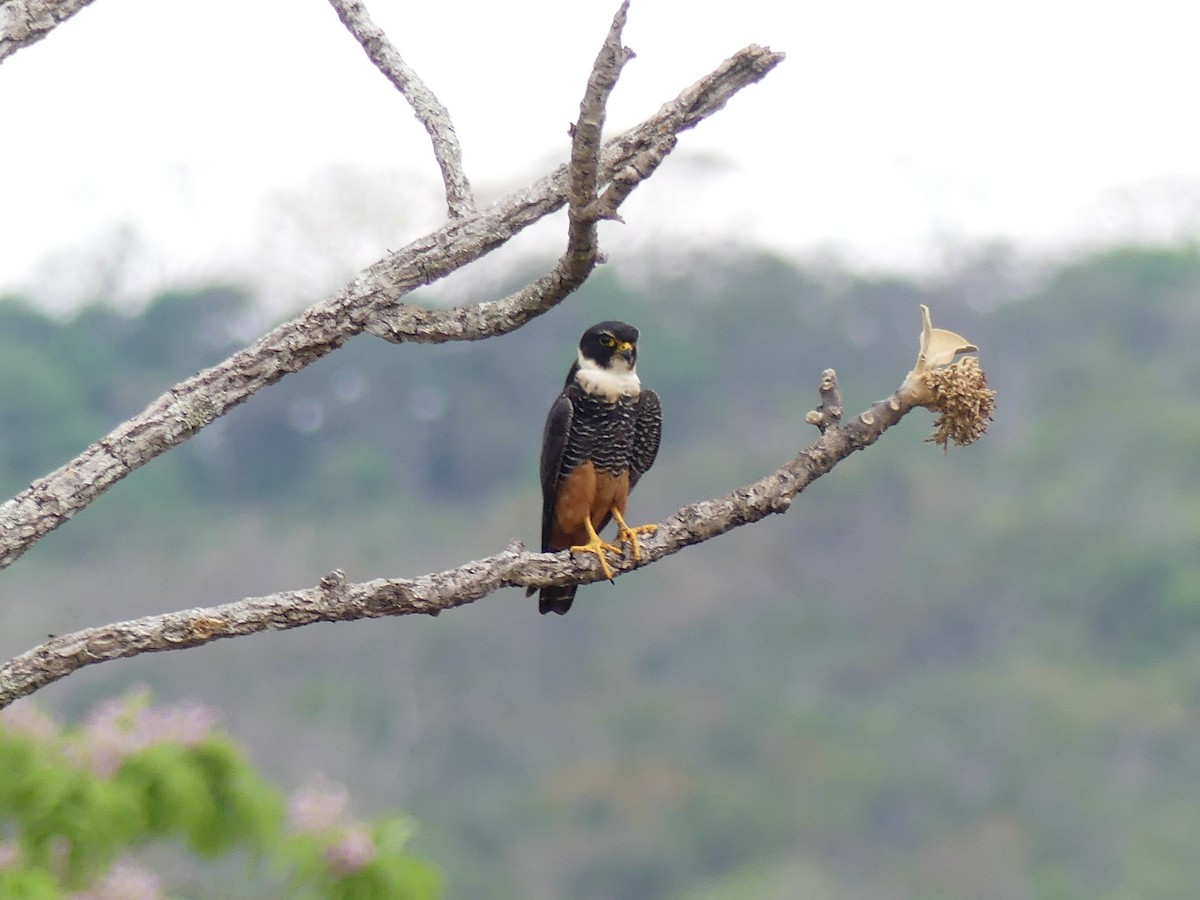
<point>319,806</point>
<point>122,726</point>
<point>24,717</point>
<point>353,850</point>
<point>126,880</point>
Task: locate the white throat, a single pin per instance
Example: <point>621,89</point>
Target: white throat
<point>620,380</point>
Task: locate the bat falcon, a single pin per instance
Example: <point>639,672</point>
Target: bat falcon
<point>601,437</point>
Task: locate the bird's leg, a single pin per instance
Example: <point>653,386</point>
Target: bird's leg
<point>597,546</point>
<point>627,535</point>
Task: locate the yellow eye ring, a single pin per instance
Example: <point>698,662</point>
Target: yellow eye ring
<point>608,340</point>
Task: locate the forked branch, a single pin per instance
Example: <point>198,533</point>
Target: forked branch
<point>371,303</point>
<point>337,600</point>
<point>583,211</point>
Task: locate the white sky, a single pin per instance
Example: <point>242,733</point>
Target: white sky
<point>892,129</point>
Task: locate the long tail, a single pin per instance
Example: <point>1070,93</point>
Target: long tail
<point>556,599</point>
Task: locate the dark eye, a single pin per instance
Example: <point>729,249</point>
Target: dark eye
<point>608,340</point>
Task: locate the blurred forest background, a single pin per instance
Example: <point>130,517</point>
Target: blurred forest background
<point>964,675</point>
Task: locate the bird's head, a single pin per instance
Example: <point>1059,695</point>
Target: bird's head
<point>610,345</point>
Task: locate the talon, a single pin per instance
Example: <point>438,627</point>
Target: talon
<point>627,535</point>
<point>596,546</point>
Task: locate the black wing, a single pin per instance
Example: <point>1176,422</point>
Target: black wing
<point>554,442</point>
<point>647,432</point>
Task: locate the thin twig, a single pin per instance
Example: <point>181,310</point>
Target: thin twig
<point>429,110</point>
<point>830,410</point>
<point>587,131</point>
<point>336,600</point>
<point>582,176</point>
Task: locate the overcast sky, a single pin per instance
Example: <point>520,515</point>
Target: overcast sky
<point>892,129</point>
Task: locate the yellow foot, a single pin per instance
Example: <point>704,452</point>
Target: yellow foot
<point>627,535</point>
<point>597,546</point>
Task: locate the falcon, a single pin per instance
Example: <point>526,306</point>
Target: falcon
<point>601,437</point>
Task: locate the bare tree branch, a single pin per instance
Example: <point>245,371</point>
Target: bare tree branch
<point>585,144</point>
<point>336,600</point>
<point>594,184</point>
<point>429,110</point>
<point>583,179</point>
<point>25,22</point>
<point>626,160</point>
<point>370,302</point>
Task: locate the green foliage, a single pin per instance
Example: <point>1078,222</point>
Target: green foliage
<point>76,803</point>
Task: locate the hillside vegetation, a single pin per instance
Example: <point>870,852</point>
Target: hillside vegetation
<point>964,675</point>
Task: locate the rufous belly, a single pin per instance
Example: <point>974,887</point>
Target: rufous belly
<point>586,493</point>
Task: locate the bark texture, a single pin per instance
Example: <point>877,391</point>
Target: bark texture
<point>25,22</point>
<point>429,110</point>
<point>371,302</point>
<point>592,185</point>
<point>335,599</point>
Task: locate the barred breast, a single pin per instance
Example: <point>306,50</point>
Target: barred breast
<point>601,431</point>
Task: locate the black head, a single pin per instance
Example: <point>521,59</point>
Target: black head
<point>606,342</point>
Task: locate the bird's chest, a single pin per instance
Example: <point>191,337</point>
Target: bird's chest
<point>601,432</point>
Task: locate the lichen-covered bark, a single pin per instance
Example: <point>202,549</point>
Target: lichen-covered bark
<point>429,110</point>
<point>371,303</point>
<point>594,184</point>
<point>25,22</point>
<point>337,600</point>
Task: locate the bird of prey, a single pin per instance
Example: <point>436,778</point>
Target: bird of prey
<point>601,436</point>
